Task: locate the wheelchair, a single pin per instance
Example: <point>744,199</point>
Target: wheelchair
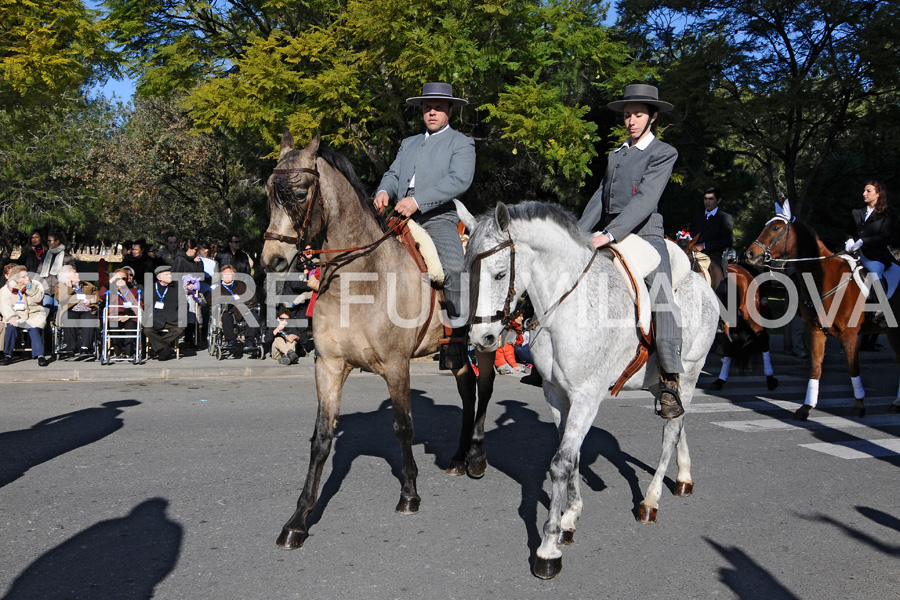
<point>217,345</point>
<point>57,339</point>
<point>130,334</point>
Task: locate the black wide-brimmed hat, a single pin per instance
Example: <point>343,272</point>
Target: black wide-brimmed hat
<point>437,91</point>
<point>640,92</point>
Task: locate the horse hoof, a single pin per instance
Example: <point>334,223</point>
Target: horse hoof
<point>566,537</point>
<point>894,408</point>
<point>859,412</point>
<point>771,382</point>
<point>683,489</point>
<point>717,385</point>
<point>646,515</point>
<point>547,568</point>
<point>456,468</point>
<point>291,539</point>
<point>477,467</point>
<point>408,506</point>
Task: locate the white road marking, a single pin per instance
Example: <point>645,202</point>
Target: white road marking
<point>764,404</point>
<point>813,423</point>
<point>859,448</point>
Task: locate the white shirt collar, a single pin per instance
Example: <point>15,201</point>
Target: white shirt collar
<point>712,212</point>
<point>428,134</point>
<point>869,211</point>
<point>641,145</point>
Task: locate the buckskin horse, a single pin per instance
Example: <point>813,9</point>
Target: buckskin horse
<point>586,339</point>
<point>374,310</point>
<point>831,301</point>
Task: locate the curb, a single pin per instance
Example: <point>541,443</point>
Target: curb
<point>201,367</point>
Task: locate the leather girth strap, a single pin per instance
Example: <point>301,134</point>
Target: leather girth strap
<point>645,342</point>
<point>399,226</point>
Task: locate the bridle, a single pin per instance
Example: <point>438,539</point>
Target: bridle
<point>767,255</point>
<point>312,194</point>
<point>505,316</point>
<point>508,315</point>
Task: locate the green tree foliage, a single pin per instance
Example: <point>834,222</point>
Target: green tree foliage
<point>767,89</point>
<point>50,48</point>
<point>531,70</point>
<point>157,174</point>
<point>45,169</point>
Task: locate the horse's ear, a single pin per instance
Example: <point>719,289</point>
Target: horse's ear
<point>313,146</point>
<point>501,214</point>
<point>287,143</point>
<point>787,210</point>
<point>467,218</point>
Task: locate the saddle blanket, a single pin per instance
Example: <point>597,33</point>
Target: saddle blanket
<point>429,253</point>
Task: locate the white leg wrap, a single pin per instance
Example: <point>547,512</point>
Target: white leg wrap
<point>767,364</point>
<point>726,366</point>
<point>859,392</point>
<point>812,393</point>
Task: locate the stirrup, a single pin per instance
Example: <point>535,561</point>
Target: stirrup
<point>665,410</point>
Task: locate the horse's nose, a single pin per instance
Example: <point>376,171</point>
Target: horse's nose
<point>490,340</point>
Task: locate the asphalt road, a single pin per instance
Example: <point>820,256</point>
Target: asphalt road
<point>122,489</point>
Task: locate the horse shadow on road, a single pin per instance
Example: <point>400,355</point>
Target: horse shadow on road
<point>520,446</point>
<point>27,448</point>
<point>123,558</point>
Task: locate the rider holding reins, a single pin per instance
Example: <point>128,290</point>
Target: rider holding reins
<point>431,169</point>
<point>626,202</point>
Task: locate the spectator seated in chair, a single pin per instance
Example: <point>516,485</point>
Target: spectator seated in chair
<point>122,305</point>
<point>162,302</point>
<point>21,304</point>
<point>78,303</point>
<point>240,310</point>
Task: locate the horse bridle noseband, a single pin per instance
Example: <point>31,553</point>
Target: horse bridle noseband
<point>313,195</point>
<point>767,256</point>
<point>505,316</point>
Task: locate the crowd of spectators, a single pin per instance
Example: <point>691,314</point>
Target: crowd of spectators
<point>174,286</point>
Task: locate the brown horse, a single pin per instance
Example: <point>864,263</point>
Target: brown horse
<point>831,301</point>
<point>747,333</point>
<point>374,310</point>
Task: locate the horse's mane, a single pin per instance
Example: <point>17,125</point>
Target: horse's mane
<point>529,210</point>
<point>807,240</point>
<point>345,168</point>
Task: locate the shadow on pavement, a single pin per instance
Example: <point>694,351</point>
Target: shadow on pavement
<point>521,446</point>
<point>21,450</point>
<point>122,558</point>
<point>747,579</point>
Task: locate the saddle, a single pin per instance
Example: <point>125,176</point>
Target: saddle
<point>635,255</point>
<point>423,251</point>
<point>635,258</point>
<point>891,276</point>
<point>421,247</point>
